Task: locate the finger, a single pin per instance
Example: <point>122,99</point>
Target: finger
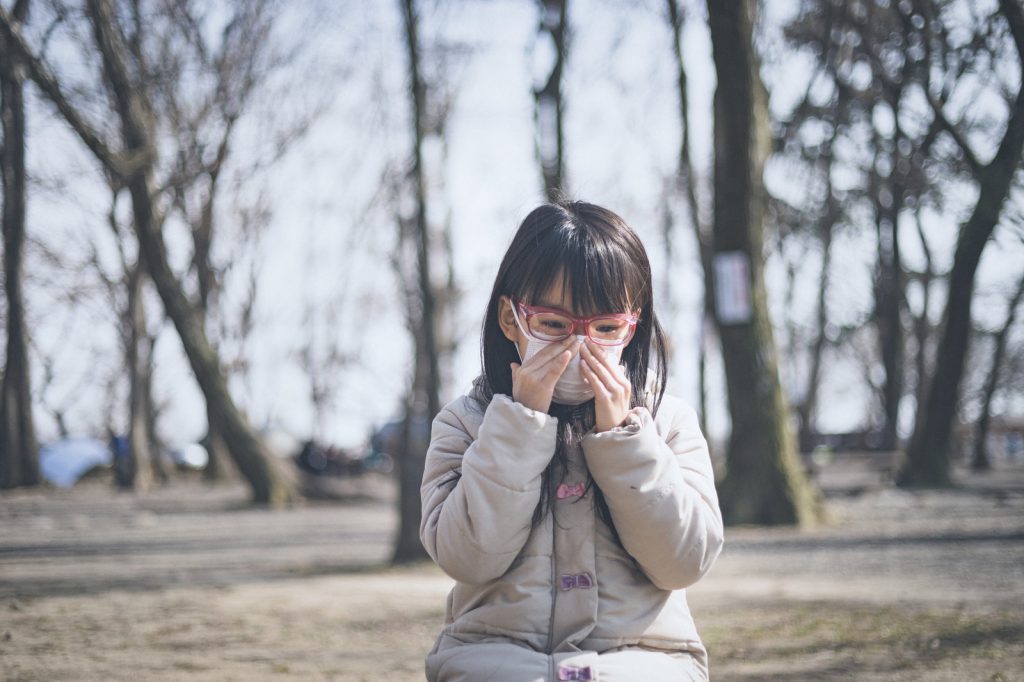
<point>599,368</point>
<point>553,353</point>
<point>596,383</point>
<point>617,391</point>
<point>557,366</point>
<point>613,367</point>
<point>599,354</point>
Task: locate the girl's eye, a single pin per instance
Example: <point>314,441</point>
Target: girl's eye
<point>553,324</point>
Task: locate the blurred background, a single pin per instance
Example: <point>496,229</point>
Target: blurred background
<point>235,229</point>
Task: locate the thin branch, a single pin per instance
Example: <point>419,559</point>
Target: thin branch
<point>1014,15</point>
<point>977,167</point>
<point>116,163</point>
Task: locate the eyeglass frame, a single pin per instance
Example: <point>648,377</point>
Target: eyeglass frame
<point>531,310</point>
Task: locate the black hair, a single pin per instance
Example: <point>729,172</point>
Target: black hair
<point>604,267</point>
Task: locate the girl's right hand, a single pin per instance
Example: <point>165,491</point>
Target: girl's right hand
<point>533,382</point>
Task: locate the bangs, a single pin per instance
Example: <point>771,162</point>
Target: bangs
<point>596,268</point>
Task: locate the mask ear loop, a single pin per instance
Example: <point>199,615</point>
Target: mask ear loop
<point>518,324</point>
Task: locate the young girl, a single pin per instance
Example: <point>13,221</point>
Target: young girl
<point>569,498</point>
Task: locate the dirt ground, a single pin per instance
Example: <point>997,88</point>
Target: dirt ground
<point>189,582</point>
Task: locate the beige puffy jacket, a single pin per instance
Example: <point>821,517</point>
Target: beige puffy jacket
<point>562,595</point>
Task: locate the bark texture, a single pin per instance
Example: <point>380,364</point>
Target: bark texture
<point>141,462</point>
<point>425,401</point>
<point>764,482</point>
<point>19,456</point>
<point>549,105</point>
<point>686,183</point>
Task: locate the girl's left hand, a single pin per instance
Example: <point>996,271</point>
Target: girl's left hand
<point>612,389</point>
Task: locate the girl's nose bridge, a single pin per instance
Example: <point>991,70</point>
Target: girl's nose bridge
<point>579,327</point>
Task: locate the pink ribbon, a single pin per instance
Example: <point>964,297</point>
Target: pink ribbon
<point>565,491</point>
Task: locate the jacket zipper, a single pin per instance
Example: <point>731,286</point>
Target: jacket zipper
<point>554,589</point>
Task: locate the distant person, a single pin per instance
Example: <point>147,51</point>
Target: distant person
<point>570,499</point>
<point>121,454</point>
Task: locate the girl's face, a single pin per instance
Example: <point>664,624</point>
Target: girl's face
<point>557,296</point>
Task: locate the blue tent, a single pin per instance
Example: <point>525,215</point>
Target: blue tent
<point>65,461</point>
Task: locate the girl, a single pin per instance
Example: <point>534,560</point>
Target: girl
<point>569,498</point>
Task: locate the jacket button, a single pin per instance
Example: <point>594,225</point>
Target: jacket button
<point>570,672</point>
<point>582,581</point>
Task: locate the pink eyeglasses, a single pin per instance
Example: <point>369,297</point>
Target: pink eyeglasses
<point>555,324</point>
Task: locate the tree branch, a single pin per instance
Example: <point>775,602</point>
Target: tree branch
<point>1008,155</point>
<point>977,167</point>
<point>1014,15</point>
<point>116,163</point>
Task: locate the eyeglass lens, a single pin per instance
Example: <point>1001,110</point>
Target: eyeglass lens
<point>606,330</point>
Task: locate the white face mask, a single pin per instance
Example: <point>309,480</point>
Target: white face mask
<point>570,389</point>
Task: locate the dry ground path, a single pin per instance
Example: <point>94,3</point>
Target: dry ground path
<point>188,582</point>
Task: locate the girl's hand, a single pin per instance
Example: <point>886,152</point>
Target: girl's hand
<point>533,382</point>
<point>612,389</point>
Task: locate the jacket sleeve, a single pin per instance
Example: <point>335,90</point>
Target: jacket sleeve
<point>479,495</point>
<point>661,494</point>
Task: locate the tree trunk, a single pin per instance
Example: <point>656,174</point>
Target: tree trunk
<point>980,461</point>
<point>146,345</point>
<point>425,396</point>
<point>888,304</point>
<point>217,467</point>
<point>408,547</point>
<point>202,241</point>
<point>922,325</point>
<point>764,483</point>
<point>139,474</point>
<point>548,112</point>
<point>19,457</point>
<point>928,457</point>
<point>686,181</point>
<point>889,192</point>
<point>809,405</point>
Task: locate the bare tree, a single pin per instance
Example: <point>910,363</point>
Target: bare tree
<point>126,292</point>
<point>19,459</point>
<point>687,184</point>
<point>824,229</point>
<point>860,96</point>
<point>764,481</point>
<point>134,162</point>
<point>923,327</point>
<point>423,401</point>
<point>875,64</point>
<point>928,455</point>
<point>237,63</point>
<point>549,101</point>
<point>321,359</point>
<point>980,459</point>
<point>57,410</point>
